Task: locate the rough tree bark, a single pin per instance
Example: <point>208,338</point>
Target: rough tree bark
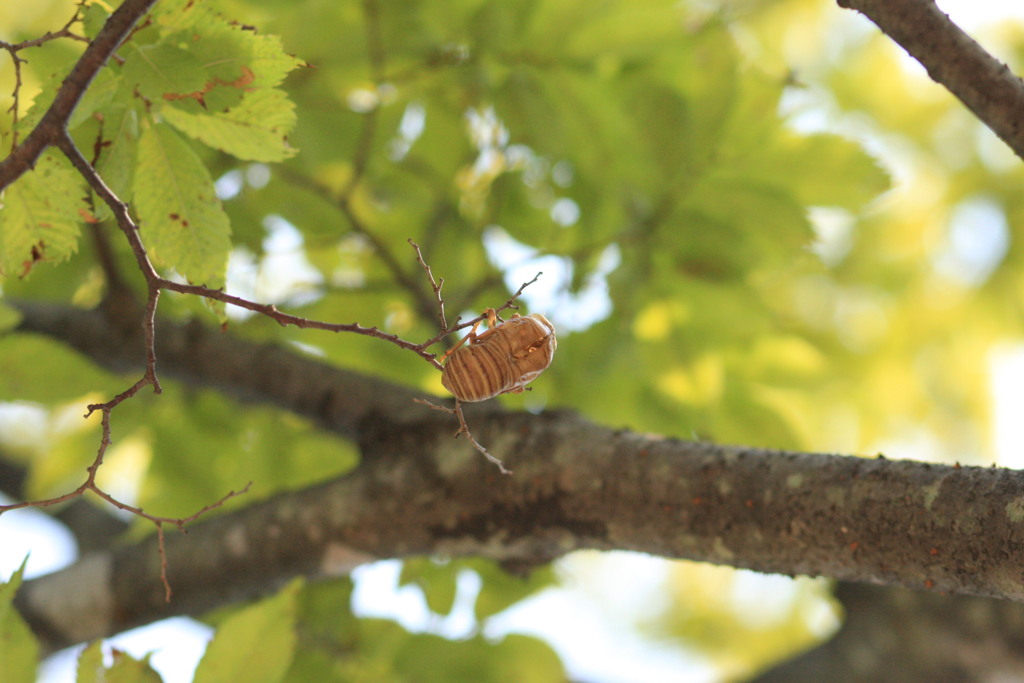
<point>576,485</point>
<point>903,636</point>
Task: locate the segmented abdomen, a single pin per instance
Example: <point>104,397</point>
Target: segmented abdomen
<point>477,372</point>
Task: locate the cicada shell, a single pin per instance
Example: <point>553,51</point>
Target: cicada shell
<point>503,359</point>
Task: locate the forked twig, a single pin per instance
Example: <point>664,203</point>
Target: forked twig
<point>90,483</point>
<point>436,285</point>
<point>445,331</point>
<point>464,429</point>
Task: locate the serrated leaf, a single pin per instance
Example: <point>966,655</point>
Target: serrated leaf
<point>182,222</point>
<point>19,650</point>
<point>836,172</point>
<point>90,663</point>
<point>255,645</point>
<point>174,15</point>
<point>256,129</point>
<point>437,581</point>
<point>123,669</point>
<point>163,70</point>
<point>230,52</point>
<point>117,162</point>
<point>39,217</point>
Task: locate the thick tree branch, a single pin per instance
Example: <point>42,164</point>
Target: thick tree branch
<point>54,122</point>
<point>577,485</point>
<point>902,636</point>
<point>952,58</point>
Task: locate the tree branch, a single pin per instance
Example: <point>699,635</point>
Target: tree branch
<point>952,58</point>
<point>577,485</point>
<point>54,122</point>
<point>903,636</point>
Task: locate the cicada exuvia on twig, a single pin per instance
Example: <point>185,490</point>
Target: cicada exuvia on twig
<point>502,360</point>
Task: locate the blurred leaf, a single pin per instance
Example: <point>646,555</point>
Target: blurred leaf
<point>90,664</point>
<point>436,579</point>
<point>45,371</point>
<point>9,319</point>
<point>256,644</point>
<point>123,669</point>
<point>19,649</point>
<point>514,659</point>
<point>501,589</point>
<point>840,172</point>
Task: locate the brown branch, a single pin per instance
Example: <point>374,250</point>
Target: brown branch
<point>434,284</point>
<point>952,58</point>
<point>93,469</point>
<point>54,122</point>
<point>578,485</point>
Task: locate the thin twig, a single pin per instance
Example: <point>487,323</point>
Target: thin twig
<point>14,48</point>
<point>464,429</point>
<point>434,284</point>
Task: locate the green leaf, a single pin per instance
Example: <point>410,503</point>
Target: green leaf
<point>19,650</point>
<point>94,17</point>
<point>256,129</point>
<point>90,663</point>
<point>239,58</point>
<point>163,71</point>
<point>432,659</point>
<point>437,580</point>
<point>182,222</point>
<point>101,91</point>
<point>501,590</point>
<point>117,161</point>
<point>175,15</point>
<point>40,216</point>
<point>835,171</point>
<point>123,669</point>
<point>44,370</point>
<point>254,645</point>
<point>9,319</point>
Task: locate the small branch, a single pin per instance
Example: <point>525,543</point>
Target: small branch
<point>464,429</point>
<point>435,285</point>
<point>952,58</point>
<point>90,482</point>
<point>356,224</point>
<point>509,304</point>
<point>14,48</point>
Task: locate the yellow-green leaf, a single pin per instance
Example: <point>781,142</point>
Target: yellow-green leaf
<point>256,129</point>
<point>39,217</point>
<point>255,645</point>
<point>18,648</point>
<point>182,222</point>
